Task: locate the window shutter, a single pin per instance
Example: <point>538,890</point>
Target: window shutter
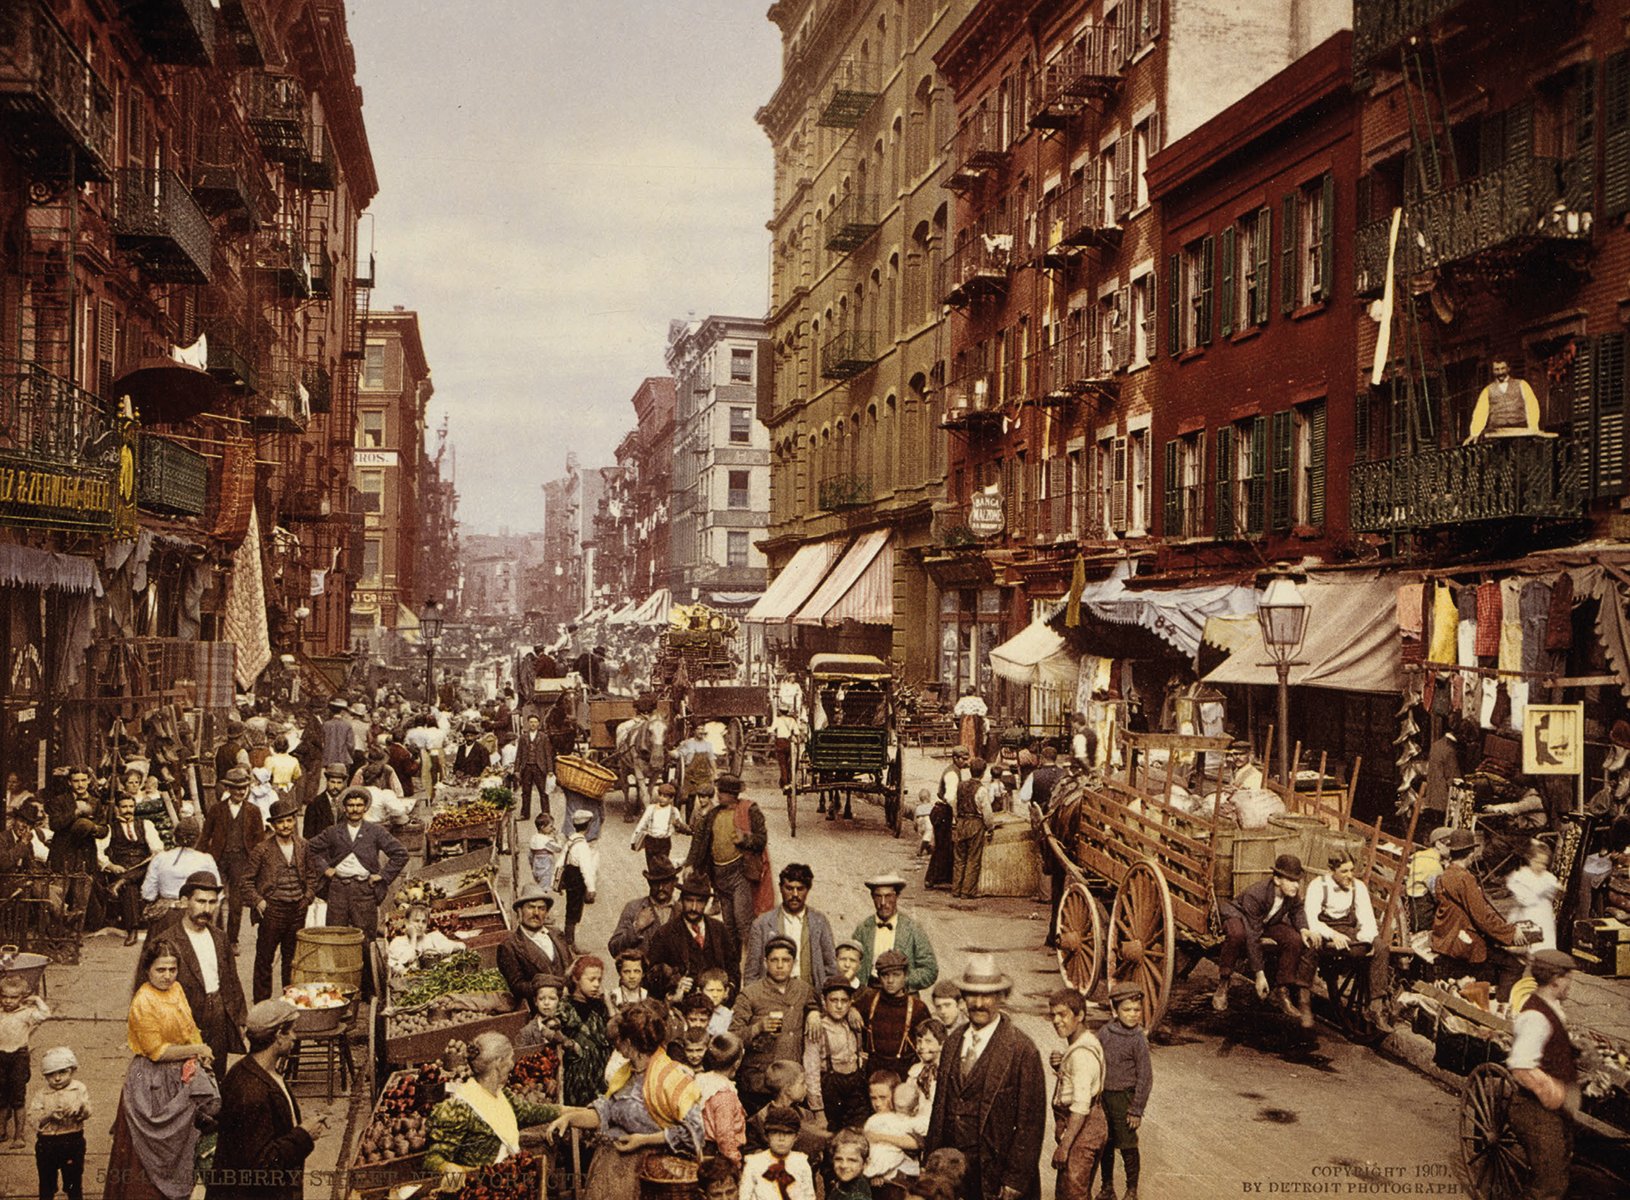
<point>1287,254</point>
<point>1118,487</point>
<point>1281,467</point>
<point>1616,134</point>
<point>1149,310</point>
<point>1172,517</point>
<point>1257,483</point>
<point>1095,492</point>
<point>1224,464</point>
<point>1519,132</point>
<point>1262,249</point>
<point>1151,16</point>
<point>1208,277</point>
<point>1327,241</point>
<point>1058,495</point>
<point>1227,304</point>
<point>1491,145</point>
<point>1123,328</point>
<point>1315,471</point>
<point>1581,391</point>
<point>1361,427</point>
<point>1609,434</point>
<point>1584,126</point>
<point>1174,304</point>
<point>1154,133</point>
<point>1124,196</point>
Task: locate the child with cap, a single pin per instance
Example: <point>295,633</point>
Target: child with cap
<point>579,867</point>
<point>657,825</point>
<point>1128,1079</point>
<point>835,1056</point>
<point>542,848</point>
<point>21,1011</point>
<point>779,1172</point>
<point>59,1112</point>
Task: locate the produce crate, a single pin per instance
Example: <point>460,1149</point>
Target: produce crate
<point>1460,1052</point>
<point>381,1176</point>
<point>422,1047</point>
<point>489,831</point>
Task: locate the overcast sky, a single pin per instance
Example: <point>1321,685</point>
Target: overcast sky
<point>557,180</point>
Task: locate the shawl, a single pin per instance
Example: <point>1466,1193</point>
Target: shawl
<point>764,886</point>
<point>670,1090</point>
<point>495,1112</point>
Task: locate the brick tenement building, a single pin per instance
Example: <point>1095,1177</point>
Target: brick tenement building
<point>653,472</point>
<point>1254,431</point>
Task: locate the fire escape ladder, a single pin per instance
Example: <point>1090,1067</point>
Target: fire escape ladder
<point>1428,108</point>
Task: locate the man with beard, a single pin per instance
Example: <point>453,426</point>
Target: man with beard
<point>326,805</point>
<point>814,956</point>
<point>692,941</point>
<point>280,885</point>
<point>643,916</point>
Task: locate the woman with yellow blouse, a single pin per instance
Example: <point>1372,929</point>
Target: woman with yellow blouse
<point>168,1091</point>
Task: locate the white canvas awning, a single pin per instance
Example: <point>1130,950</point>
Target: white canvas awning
<point>800,577</point>
<point>1036,655</point>
<point>860,588</point>
<point>623,615</point>
<point>1351,643</point>
<point>654,609</point>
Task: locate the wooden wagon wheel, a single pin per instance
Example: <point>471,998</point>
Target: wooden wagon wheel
<point>1496,1163</point>
<point>1142,937</point>
<point>1348,984</point>
<point>1080,937</point>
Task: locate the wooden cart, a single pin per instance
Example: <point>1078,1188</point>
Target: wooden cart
<point>856,749</point>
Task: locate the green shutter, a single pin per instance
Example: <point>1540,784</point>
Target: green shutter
<point>1361,427</point>
<point>1227,305</point>
<point>1315,473</point>
<point>1257,482</point>
<point>1262,249</point>
<point>1279,493</point>
<point>1172,522</point>
<point>1223,469</point>
<point>1208,267</point>
<point>1616,135</point>
<point>1327,241</point>
<point>1581,408</point>
<point>1609,433</point>
<point>1150,308</point>
<point>1287,254</point>
<point>1174,305</point>
<point>1584,127</point>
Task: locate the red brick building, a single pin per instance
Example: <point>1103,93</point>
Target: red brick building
<point>653,469</point>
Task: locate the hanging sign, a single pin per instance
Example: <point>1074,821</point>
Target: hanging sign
<point>1553,739</point>
<point>50,496</point>
<point>987,516</point>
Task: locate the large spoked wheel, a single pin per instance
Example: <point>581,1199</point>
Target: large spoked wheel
<point>1080,937</point>
<point>1348,983</point>
<point>1496,1163</point>
<point>1143,938</point>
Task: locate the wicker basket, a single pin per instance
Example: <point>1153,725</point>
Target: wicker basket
<point>587,778</point>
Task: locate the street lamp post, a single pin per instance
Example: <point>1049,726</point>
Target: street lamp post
<point>430,630</point>
<point>1282,613</point>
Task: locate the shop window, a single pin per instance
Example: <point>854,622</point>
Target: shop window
<point>736,548</point>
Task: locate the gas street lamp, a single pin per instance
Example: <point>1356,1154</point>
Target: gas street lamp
<point>1282,613</point>
<point>430,621</point>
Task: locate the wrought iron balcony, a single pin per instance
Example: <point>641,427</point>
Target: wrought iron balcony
<point>1061,372</point>
<point>969,402</point>
<point>844,491</point>
<point>1089,69</point>
<point>54,110</point>
<point>1498,479</point>
<point>1380,26</point>
<point>50,420</point>
<point>170,478</point>
<point>226,182</point>
<point>852,222</point>
<point>847,354</point>
<point>1492,221</point>
<point>242,22</point>
<point>979,148</point>
<point>977,269</point>
<point>322,273</point>
<point>855,87</point>
<point>315,172</point>
<point>231,353</point>
<point>278,116</point>
<point>158,223</point>
<point>285,407</point>
<point>319,388</point>
<point>179,32</point>
<point>281,253</point>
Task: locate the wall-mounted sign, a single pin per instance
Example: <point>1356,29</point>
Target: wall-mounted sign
<point>49,496</point>
<point>1553,739</point>
<point>375,458</point>
<point>987,516</point>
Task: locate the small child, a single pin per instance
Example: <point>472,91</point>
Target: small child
<point>779,1172</point>
<point>925,830</point>
<point>692,1049</point>
<point>59,1113</point>
<point>20,1012</point>
<point>791,1092</point>
<point>1128,1079</point>
<point>630,987</point>
<point>724,1121</point>
<point>848,955</point>
<point>948,1006</point>
<point>577,876</point>
<point>542,849</point>
<point>849,1152</point>
<point>544,1029</point>
<point>720,1179</point>
<point>696,1013</point>
<point>715,985</point>
<point>835,1057</point>
<point>891,1129</point>
<point>657,825</point>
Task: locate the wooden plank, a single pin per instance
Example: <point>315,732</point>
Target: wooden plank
<point>1151,840</point>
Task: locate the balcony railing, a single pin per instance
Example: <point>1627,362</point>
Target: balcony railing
<point>226,181</point>
<point>158,223</point>
<point>847,354</point>
<point>179,32</point>
<point>319,388</point>
<point>978,268</point>
<point>1529,202</point>
<point>242,22</point>
<point>285,405</point>
<point>50,420</point>
<point>231,353</point>
<point>54,110</point>
<point>1497,479</point>
<point>855,87</point>
<point>979,147</point>
<point>315,172</point>
<point>852,222</point>
<point>970,401</point>
<point>1380,26</point>
<point>278,117</point>
<point>281,254</point>
<point>844,491</point>
<point>1088,69</point>
<point>170,478</point>
<point>322,273</point>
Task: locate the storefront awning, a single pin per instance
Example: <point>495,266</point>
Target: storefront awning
<point>1351,643</point>
<point>798,579</point>
<point>654,610</point>
<point>624,615</point>
<point>1177,616</point>
<point>860,588</point>
<point>1037,655</point>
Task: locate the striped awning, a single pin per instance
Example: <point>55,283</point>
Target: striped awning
<point>798,579</point>
<point>860,588</point>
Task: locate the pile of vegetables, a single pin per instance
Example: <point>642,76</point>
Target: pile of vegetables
<point>418,892</point>
<point>535,1078</point>
<point>455,973</point>
<point>462,816</point>
<point>401,1122</point>
<point>516,1178</point>
<point>477,875</point>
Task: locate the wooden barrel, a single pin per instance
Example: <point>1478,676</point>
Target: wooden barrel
<point>1254,852</point>
<point>328,954</point>
<point>1012,862</point>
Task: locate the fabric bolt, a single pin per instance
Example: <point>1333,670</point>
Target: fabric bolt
<point>1488,619</point>
<point>1559,618</point>
<point>1535,611</point>
<point>1510,653</point>
<point>1410,615</point>
<point>1445,621</point>
<point>1613,629</point>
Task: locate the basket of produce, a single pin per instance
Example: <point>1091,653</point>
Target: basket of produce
<point>477,819</point>
<point>323,1006</point>
<point>577,774</point>
<point>665,1176</point>
<point>393,1145</point>
<point>518,1177</point>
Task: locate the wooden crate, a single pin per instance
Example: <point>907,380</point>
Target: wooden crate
<point>422,1047</point>
<point>382,1176</point>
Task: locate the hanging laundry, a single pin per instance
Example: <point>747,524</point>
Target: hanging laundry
<point>1445,617</point>
<point>1559,620</point>
<point>1488,701</point>
<point>1500,717</point>
<point>1488,619</point>
<point>1409,608</point>
<point>1536,610</point>
<point>1517,689</point>
<point>1510,624</point>
<point>1466,642</point>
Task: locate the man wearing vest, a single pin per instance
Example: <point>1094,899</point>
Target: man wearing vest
<point>359,860</point>
<point>890,1016</point>
<point>727,848</point>
<point>1543,1062</point>
<point>280,886</point>
<point>232,828</point>
<point>814,956</point>
<point>124,854</point>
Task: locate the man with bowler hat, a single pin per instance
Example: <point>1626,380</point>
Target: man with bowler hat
<point>233,827</point>
<point>692,941</point>
<point>532,951</point>
<point>644,915</point>
<point>1271,910</point>
<point>728,849</point>
<point>359,860</point>
<point>279,885</point>
<point>990,1101</point>
<point>327,805</point>
<point>206,968</point>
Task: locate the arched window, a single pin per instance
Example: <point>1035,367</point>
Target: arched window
<point>891,298</point>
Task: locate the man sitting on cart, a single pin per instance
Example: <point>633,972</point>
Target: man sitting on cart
<point>1272,911</point>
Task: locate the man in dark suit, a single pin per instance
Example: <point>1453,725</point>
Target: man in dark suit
<point>692,941</point>
<point>643,916</point>
<point>991,1098</point>
<point>533,949</point>
<point>263,1144</point>
<point>1270,910</point>
<point>233,827</point>
<point>206,968</point>
<point>534,763</point>
<point>280,885</point>
<point>359,859</point>
<point>327,805</point>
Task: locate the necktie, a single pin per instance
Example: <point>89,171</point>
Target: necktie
<point>969,1057</point>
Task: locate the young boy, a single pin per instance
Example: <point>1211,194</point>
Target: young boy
<point>579,869</point>
<point>779,1172</point>
<point>59,1113</point>
<point>630,987</point>
<point>657,825</point>
<point>848,954</point>
<point>715,985</point>
<point>21,1011</point>
<point>925,830</point>
<point>544,1029</point>
<point>791,1092</point>
<point>835,1058</point>
<point>948,1006</point>
<point>720,1179</point>
<point>696,1015</point>
<point>542,849</point>
<point>724,1121</point>
<point>892,1131</point>
<point>1128,1078</point>
<point>1079,1128</point>
<point>849,1152</point>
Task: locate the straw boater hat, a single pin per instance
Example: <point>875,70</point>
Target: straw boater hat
<point>530,893</point>
<point>337,702</point>
<point>891,880</point>
<point>981,976</point>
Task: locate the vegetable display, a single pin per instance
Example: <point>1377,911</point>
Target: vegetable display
<point>457,973</point>
<point>462,816</point>
<point>401,1121</point>
<point>516,1178</point>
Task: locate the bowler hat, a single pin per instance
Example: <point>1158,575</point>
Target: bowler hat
<point>783,942</point>
<point>1287,866</point>
<point>730,785</point>
<point>285,806</point>
<point>981,976</point>
<point>1459,839</point>
<point>532,892</point>
<point>237,777</point>
<point>336,771</point>
<point>200,880</point>
<point>696,886</point>
<point>660,871</point>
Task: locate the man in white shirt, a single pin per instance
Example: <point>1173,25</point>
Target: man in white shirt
<point>814,953</point>
<point>131,843</point>
<point>359,860</point>
<point>1546,1068</point>
<point>207,970</point>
